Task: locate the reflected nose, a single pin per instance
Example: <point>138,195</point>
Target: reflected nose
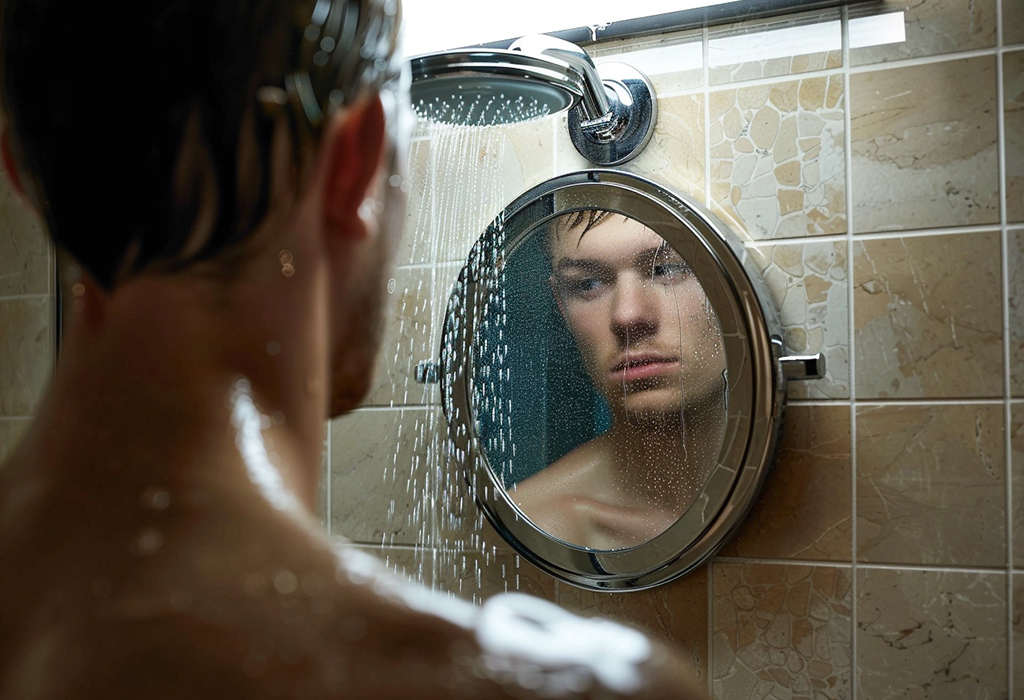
<point>634,315</point>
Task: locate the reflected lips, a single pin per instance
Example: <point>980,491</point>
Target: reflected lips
<point>642,367</point>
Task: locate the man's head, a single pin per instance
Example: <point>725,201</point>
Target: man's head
<point>648,336</point>
<point>205,139</point>
<point>146,135</point>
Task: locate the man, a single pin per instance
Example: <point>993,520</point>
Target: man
<point>221,172</point>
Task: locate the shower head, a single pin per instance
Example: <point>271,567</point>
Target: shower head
<point>492,86</point>
<point>612,117</point>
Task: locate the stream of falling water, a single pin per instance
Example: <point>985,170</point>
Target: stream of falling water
<point>459,177</point>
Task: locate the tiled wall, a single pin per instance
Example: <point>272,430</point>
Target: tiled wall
<point>883,188</point>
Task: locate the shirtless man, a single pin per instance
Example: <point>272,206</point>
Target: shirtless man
<point>652,348</point>
<point>222,173</point>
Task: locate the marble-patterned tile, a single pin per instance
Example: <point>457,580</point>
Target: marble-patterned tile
<point>924,146</point>
<point>775,47</point>
<point>383,488</point>
<point>24,247</point>
<point>1013,132</point>
<point>931,485</point>
<point>1017,481</point>
<point>675,612</point>
<point>1013,22</point>
<point>673,62</point>
<point>931,634</point>
<point>11,431</point>
<point>931,27</point>
<point>777,157</point>
<point>675,154</point>
<point>928,317</point>
<point>809,282</point>
<point>805,509</point>
<point>406,341</point>
<point>26,353</point>
<point>781,631</point>
<point>1015,304</point>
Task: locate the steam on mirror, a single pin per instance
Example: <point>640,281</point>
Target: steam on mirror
<point>613,379</point>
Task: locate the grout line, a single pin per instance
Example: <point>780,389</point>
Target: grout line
<point>706,93</point>
<point>1007,412</point>
<point>946,401</point>
<point>873,235</point>
<point>328,505</point>
<point>942,568</point>
<point>850,352</point>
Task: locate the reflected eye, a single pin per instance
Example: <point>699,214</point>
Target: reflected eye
<point>670,272</point>
<point>580,287</point>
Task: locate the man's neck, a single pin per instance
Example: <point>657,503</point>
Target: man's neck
<point>155,382</point>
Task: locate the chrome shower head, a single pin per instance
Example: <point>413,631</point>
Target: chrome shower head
<point>612,118</point>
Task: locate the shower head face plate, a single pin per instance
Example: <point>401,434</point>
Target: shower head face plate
<point>482,88</point>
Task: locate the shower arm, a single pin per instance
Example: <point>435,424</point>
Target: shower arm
<point>600,121</point>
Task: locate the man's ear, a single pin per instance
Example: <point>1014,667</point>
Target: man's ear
<point>351,161</point>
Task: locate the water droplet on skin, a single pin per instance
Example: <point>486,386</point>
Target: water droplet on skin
<point>149,541</point>
<point>285,582</point>
<point>156,498</point>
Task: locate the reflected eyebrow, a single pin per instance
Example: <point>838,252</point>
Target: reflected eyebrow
<point>652,255</point>
<point>586,264</point>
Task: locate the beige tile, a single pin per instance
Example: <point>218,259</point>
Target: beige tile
<point>675,154</point>
<point>931,634</point>
<point>478,575</point>
<point>1015,302</point>
<point>1013,22</point>
<point>672,62</point>
<point>26,353</point>
<point>24,246</point>
<point>809,284</point>
<point>383,489</point>
<point>675,612</point>
<point>407,340</point>
<point>931,485</point>
<point>1013,121</point>
<point>928,317</point>
<point>781,631</point>
<point>1018,632</point>
<point>413,563</point>
<point>775,47</point>
<point>932,27</point>
<point>11,431</point>
<point>1017,481</point>
<point>805,510</point>
<point>924,146</point>
<point>777,157</point>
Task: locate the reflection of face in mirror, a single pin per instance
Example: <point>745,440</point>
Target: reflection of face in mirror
<point>652,347</point>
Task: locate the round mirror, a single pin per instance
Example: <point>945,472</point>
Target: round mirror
<point>612,379</point>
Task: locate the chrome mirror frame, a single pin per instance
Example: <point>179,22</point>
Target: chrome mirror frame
<point>757,376</point>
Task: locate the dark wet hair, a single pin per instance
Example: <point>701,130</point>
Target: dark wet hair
<point>99,96</point>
